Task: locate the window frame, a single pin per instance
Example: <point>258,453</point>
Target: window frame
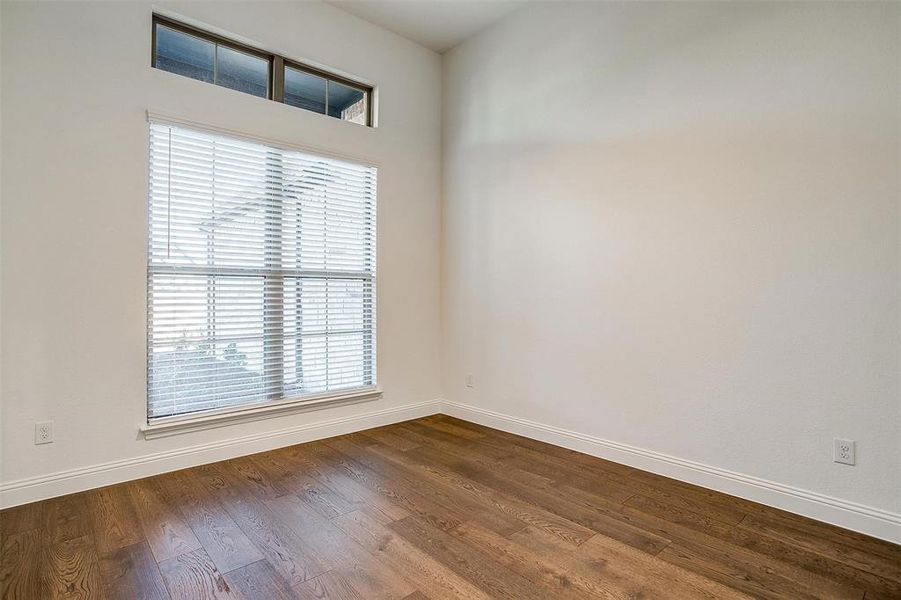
<point>167,425</point>
<point>292,64</point>
<point>215,39</point>
<point>277,64</point>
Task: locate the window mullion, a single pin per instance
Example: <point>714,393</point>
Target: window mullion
<point>274,286</point>
<point>277,77</point>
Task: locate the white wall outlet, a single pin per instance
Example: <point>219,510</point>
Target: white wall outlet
<point>469,381</point>
<point>843,451</point>
<point>43,432</point>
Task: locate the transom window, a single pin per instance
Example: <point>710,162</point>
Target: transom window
<point>261,273</point>
<point>194,53</point>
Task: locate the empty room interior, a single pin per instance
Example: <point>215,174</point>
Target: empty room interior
<point>464,299</point>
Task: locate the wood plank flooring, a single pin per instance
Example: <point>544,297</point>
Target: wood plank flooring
<point>431,508</point>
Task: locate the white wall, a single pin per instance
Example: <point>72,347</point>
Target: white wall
<point>676,226</point>
<point>76,83</point>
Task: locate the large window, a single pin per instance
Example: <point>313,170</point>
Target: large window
<point>261,273</point>
<point>201,55</point>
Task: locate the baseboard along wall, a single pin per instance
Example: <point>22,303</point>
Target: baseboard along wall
<point>872,521</point>
<point>32,489</point>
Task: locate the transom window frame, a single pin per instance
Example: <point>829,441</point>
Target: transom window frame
<point>165,426</point>
<point>277,64</point>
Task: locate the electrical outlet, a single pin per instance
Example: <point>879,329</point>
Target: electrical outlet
<point>469,380</point>
<point>843,451</point>
<point>43,432</point>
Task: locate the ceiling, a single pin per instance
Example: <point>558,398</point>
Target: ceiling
<point>436,24</point>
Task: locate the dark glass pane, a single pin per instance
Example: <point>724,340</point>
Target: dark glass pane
<point>184,54</point>
<point>345,102</point>
<point>304,90</point>
<point>243,72</point>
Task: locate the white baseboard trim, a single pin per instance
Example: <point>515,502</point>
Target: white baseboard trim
<point>32,489</point>
<point>849,515</point>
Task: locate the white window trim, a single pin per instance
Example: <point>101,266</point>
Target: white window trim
<point>161,427</point>
<point>179,424</point>
<point>169,119</point>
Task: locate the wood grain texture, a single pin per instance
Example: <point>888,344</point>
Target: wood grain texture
<point>165,530</point>
<point>21,518</point>
<point>72,570</point>
<point>193,576</point>
<point>288,554</point>
<point>226,544</point>
<point>432,508</point>
<point>258,580</point>
<point>20,564</point>
<point>131,572</point>
<point>328,586</point>
<point>318,495</point>
<point>65,518</point>
<point>113,518</point>
<point>406,558</point>
<point>465,560</point>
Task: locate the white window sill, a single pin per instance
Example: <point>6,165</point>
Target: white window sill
<point>167,426</point>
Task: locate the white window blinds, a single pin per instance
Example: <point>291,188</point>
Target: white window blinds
<point>261,273</point>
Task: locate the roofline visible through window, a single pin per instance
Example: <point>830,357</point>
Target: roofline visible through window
<point>277,62</point>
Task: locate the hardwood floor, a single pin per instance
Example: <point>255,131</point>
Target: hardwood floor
<point>432,508</point>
